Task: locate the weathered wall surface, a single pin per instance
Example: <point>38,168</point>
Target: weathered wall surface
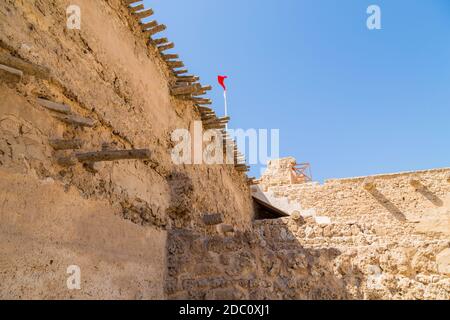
<point>393,205</point>
<point>346,242</point>
<point>106,72</point>
<point>291,259</point>
<point>45,228</point>
<point>134,226</point>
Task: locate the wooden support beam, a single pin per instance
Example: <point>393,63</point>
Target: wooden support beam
<point>114,155</point>
<point>76,120</point>
<point>66,161</point>
<point>204,102</point>
<point>26,67</point>
<point>175,64</point>
<point>53,106</point>
<point>165,47</point>
<point>369,184</point>
<point>214,126</point>
<point>170,56</point>
<point>128,2</point>
<point>217,120</point>
<point>178,72</point>
<point>155,30</point>
<point>206,88</point>
<point>183,90</point>
<point>10,75</point>
<point>187,78</point>
<point>415,182</point>
<point>61,144</point>
<point>160,41</point>
<point>204,109</point>
<point>208,116</point>
<point>212,219</point>
<point>143,14</point>
<point>149,25</point>
<point>136,8</point>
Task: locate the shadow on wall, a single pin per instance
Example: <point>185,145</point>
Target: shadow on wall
<point>266,263</point>
<point>427,193</point>
<point>388,205</point>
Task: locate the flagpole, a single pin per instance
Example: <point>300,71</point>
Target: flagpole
<point>226,107</point>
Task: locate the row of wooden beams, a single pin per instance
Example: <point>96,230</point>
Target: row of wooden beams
<point>192,89</point>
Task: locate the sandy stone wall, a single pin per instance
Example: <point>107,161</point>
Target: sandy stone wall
<point>134,227</point>
<point>94,216</point>
<point>295,259</point>
<point>107,72</point>
<point>381,237</point>
<point>395,201</point>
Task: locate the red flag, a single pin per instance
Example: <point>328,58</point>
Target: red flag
<point>221,80</point>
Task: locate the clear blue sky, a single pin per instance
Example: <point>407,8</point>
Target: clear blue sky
<point>348,100</point>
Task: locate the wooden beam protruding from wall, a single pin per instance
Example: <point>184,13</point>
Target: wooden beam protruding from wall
<point>166,47</point>
<point>148,25</point>
<point>188,79</point>
<point>76,120</point>
<point>212,219</point>
<point>136,8</point>
<point>143,14</point>
<point>62,144</point>
<point>26,67</point>
<point>369,184</point>
<point>53,106</point>
<point>184,90</point>
<point>175,64</point>
<point>10,75</point>
<point>129,2</point>
<point>415,183</point>
<point>171,56</point>
<point>178,72</point>
<point>155,30</point>
<point>105,155</point>
<point>160,41</point>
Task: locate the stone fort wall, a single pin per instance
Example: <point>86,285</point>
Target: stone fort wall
<point>110,219</point>
<point>380,237</point>
<point>135,227</point>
